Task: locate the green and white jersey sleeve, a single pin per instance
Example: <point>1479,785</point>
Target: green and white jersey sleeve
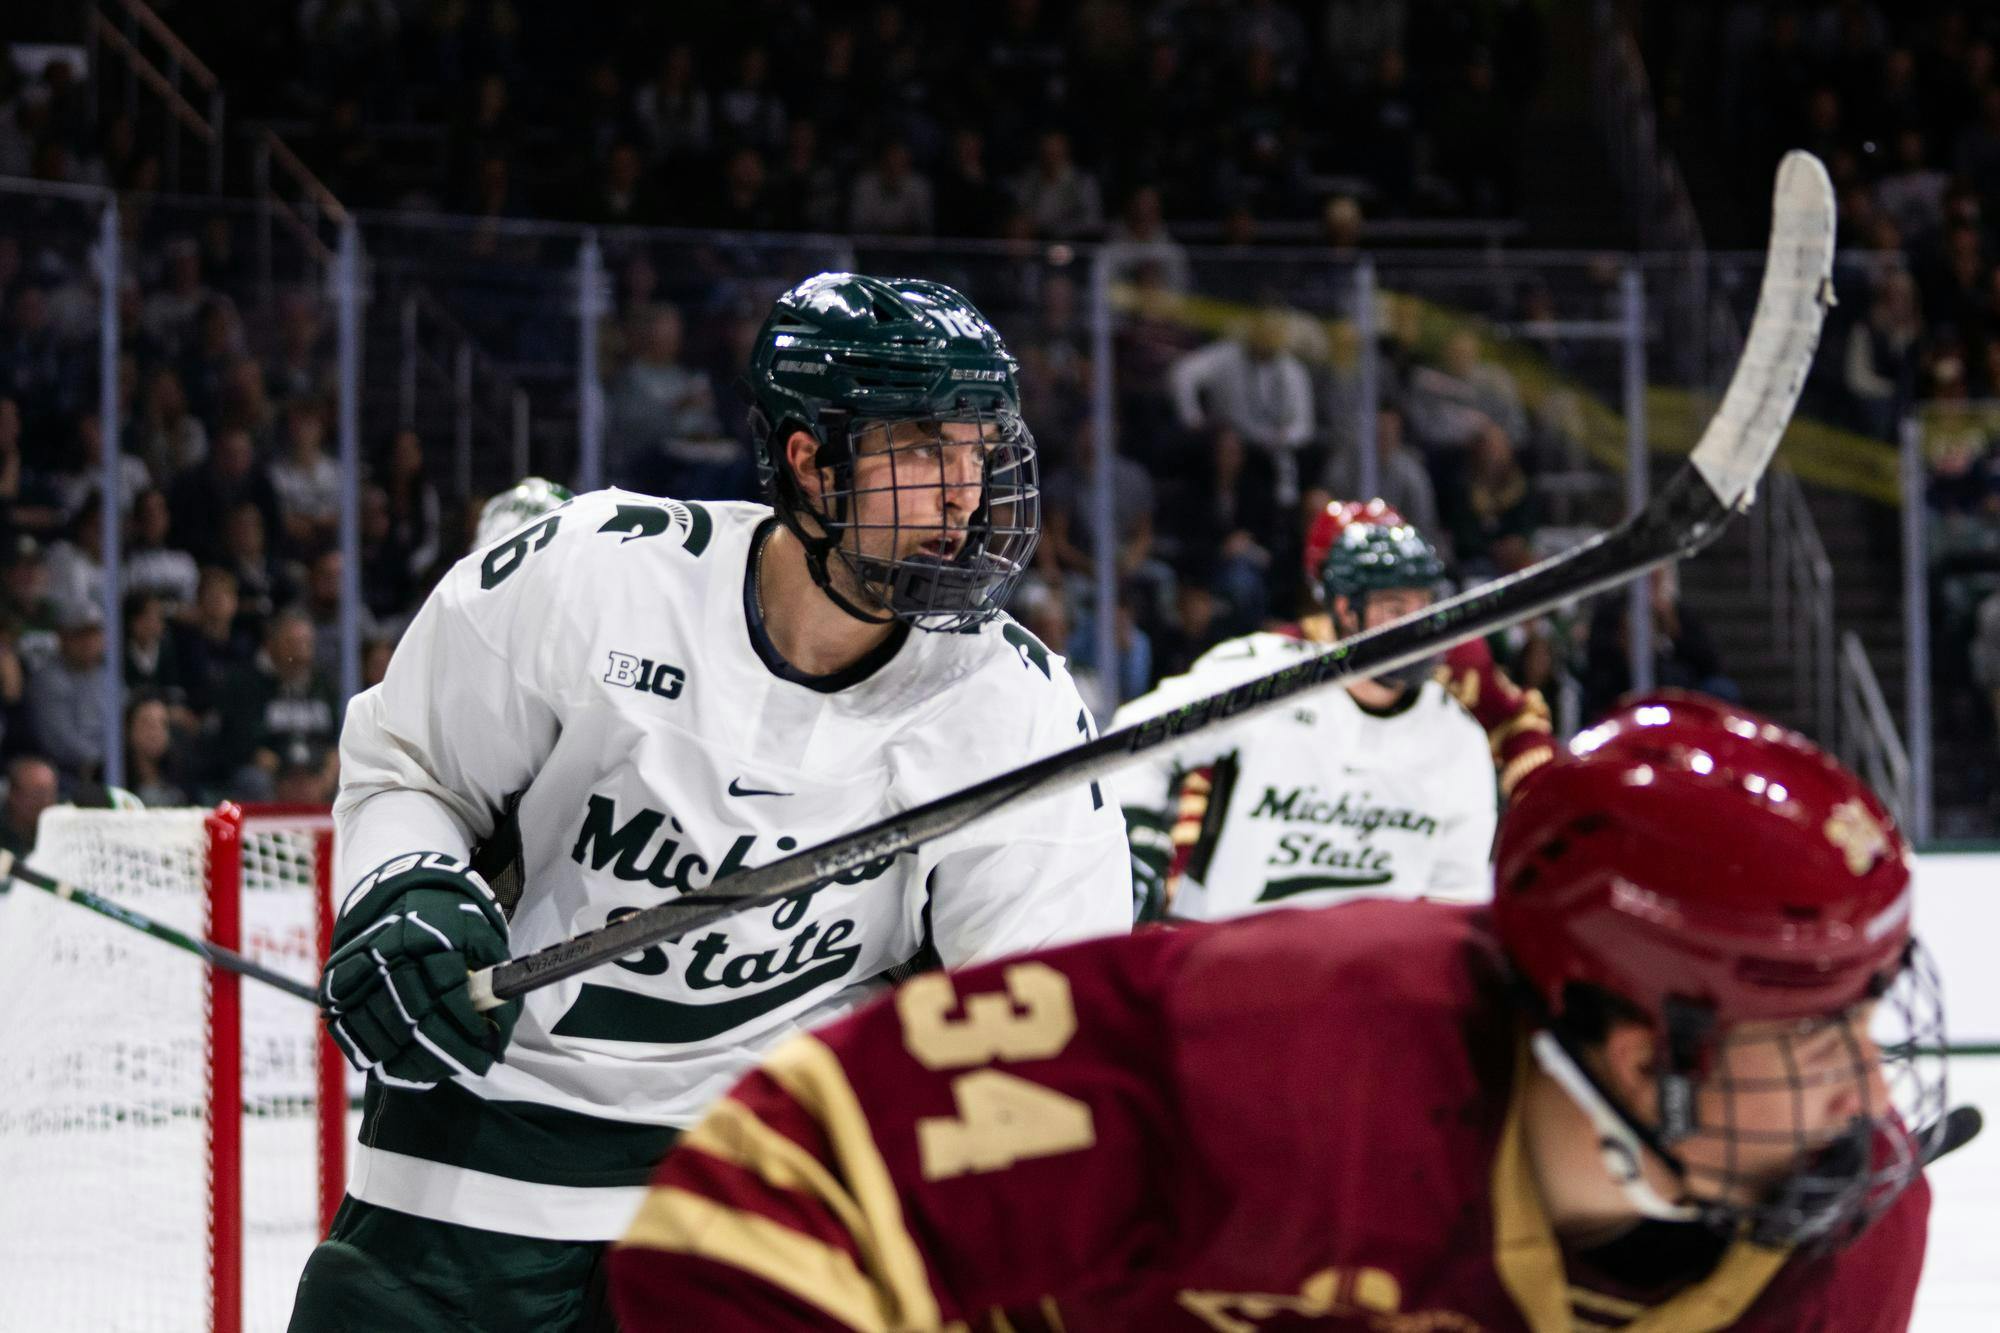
<point>1319,800</point>
<point>591,687</point>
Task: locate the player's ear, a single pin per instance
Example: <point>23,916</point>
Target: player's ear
<point>1626,1064</point>
<point>801,456</point>
<point>1345,622</point>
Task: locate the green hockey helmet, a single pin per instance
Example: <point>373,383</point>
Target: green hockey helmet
<point>516,505</point>
<point>1356,547</point>
<point>898,367</point>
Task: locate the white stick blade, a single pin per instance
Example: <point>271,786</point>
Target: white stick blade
<point>1791,307</point>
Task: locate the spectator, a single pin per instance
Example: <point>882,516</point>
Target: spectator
<point>279,710</point>
<point>1070,534</point>
<point>65,696</point>
<point>969,201</point>
<point>1491,511</point>
<point>892,198</point>
<point>313,781</point>
<point>27,503</point>
<point>214,641</point>
<point>387,590</point>
<point>307,482</point>
<point>1684,656</point>
<point>673,110</point>
<point>151,773</point>
<point>26,608</point>
<point>1140,237</point>
<point>263,584</point>
<point>748,113</point>
<point>322,607</point>
<point>151,666</point>
<point>625,195</point>
<point>1252,396</point>
<point>1450,405</point>
<point>79,478</point>
<point>807,182</point>
<point>375,655</point>
<point>1400,478</point>
<point>32,787</point>
<point>661,426</point>
<point>744,201</point>
<point>1059,199</point>
<point>209,361</point>
<point>1880,362</point>
<point>416,514</point>
<point>169,314</point>
<point>76,570</point>
<point>152,566</point>
<point>203,500</point>
<point>299,366</point>
<point>171,439</point>
<point>1912,196</point>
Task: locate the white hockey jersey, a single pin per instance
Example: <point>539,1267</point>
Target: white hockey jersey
<point>1320,800</point>
<point>599,675</point>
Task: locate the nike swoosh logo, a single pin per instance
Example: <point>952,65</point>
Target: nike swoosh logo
<point>736,788</point>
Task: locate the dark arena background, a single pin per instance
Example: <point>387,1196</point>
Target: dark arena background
<point>289,291</point>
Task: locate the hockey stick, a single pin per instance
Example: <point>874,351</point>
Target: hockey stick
<point>1960,1126</point>
<point>214,955</point>
<point>1689,512</point>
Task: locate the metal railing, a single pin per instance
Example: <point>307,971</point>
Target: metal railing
<point>437,352</point>
<point>188,90</point>
<point>1869,741</point>
<point>1789,564</point>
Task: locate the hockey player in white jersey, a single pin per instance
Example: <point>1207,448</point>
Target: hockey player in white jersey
<point>630,698</point>
<point>1384,789</point>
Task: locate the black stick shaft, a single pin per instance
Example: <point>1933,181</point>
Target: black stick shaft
<point>1683,518</point>
<point>228,960</point>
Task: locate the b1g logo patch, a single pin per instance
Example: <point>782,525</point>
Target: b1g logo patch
<point>645,675</point>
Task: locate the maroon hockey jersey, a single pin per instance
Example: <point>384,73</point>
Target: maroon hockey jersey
<point>1294,1120</point>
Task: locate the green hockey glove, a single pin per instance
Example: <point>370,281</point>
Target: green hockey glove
<point>394,988</point>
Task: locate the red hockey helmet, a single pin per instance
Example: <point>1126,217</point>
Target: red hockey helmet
<point>1710,869</point>
<point>1686,848</point>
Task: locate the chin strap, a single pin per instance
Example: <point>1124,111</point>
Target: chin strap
<point>1619,1142</point>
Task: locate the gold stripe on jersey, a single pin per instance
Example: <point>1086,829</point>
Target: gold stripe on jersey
<point>732,1132</point>
<point>810,1072</point>
<point>1606,1306</point>
<point>1529,1258</point>
<point>679,1221</point>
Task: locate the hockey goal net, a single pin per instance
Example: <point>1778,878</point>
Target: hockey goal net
<point>171,1136</point>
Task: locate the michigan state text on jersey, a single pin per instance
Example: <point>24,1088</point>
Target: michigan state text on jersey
<point>638,697</point>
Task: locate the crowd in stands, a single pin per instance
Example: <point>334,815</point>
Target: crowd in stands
<point>227,505</point>
<point>1131,124</point>
<point>1902,102</point>
<point>1030,117</point>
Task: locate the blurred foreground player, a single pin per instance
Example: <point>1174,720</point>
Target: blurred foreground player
<point>1666,1081</point>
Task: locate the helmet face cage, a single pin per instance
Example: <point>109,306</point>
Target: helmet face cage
<point>887,520</point>
<point>1841,1179</point>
